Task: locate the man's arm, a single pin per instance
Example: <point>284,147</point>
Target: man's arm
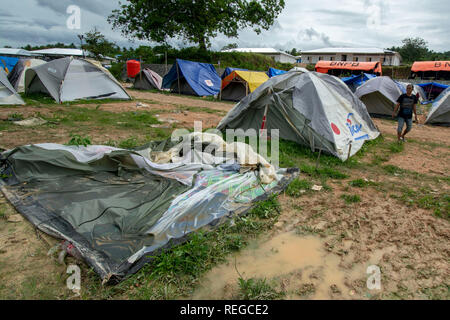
<point>395,110</point>
<point>415,113</point>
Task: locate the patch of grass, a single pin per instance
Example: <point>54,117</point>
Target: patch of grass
<point>267,209</point>
<point>78,140</point>
<point>326,172</point>
<point>396,147</point>
<point>349,199</point>
<point>297,186</point>
<point>129,143</point>
<point>393,170</point>
<point>15,116</point>
<point>257,289</point>
<point>361,183</point>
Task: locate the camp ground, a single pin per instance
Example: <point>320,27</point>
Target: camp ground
<point>436,70</point>
<point>379,96</point>
<point>238,84</point>
<point>8,95</point>
<point>192,78</point>
<point>312,109</point>
<point>17,76</point>
<point>440,110</point>
<point>70,79</point>
<point>148,79</point>
<point>338,68</point>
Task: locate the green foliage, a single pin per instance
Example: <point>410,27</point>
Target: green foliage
<point>393,170</point>
<point>351,198</point>
<point>97,44</point>
<point>361,183</point>
<point>78,140</point>
<point>396,147</point>
<point>15,116</point>
<point>267,209</point>
<point>297,186</point>
<point>257,289</point>
<point>416,49</point>
<point>129,143</point>
<point>193,21</point>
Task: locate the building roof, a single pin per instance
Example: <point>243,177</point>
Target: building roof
<point>16,52</point>
<point>259,50</point>
<point>348,50</point>
<point>60,52</point>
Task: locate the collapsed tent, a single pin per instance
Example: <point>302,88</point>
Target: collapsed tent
<point>336,68</point>
<point>8,63</point>
<point>17,75</point>
<point>147,80</point>
<point>440,110</point>
<point>229,70</point>
<point>432,90</point>
<point>275,72</point>
<point>70,79</point>
<point>312,109</point>
<point>380,95</point>
<point>8,96</point>
<point>192,78</point>
<point>239,84</point>
<point>355,81</point>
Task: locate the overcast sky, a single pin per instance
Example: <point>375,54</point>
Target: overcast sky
<point>304,24</point>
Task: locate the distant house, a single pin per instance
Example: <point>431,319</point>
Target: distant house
<point>11,52</point>
<point>56,53</point>
<point>386,57</point>
<point>277,55</point>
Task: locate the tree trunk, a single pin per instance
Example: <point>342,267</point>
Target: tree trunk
<point>202,43</point>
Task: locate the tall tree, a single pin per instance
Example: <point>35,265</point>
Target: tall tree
<point>98,45</point>
<point>413,49</point>
<point>194,20</point>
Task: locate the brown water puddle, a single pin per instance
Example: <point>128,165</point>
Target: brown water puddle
<point>288,257</point>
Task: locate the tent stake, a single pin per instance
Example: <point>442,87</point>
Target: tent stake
<point>349,151</point>
<point>318,159</point>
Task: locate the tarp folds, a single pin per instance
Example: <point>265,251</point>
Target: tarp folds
<point>368,67</point>
<point>440,110</point>
<point>17,75</point>
<point>118,207</point>
<point>355,81</point>
<point>8,96</point>
<point>275,72</point>
<point>312,109</point>
<point>239,83</point>
<point>380,95</point>
<point>148,80</point>
<point>70,79</point>
<point>192,78</point>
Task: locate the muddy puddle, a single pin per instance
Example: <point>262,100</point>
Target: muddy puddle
<point>298,265</point>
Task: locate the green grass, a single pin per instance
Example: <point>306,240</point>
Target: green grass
<point>297,186</point>
<point>349,199</point>
<point>396,147</point>
<point>43,99</point>
<point>257,289</point>
<point>361,183</point>
<point>78,140</point>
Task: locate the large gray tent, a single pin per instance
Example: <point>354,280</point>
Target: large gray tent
<point>312,109</point>
<point>379,95</point>
<point>7,93</point>
<point>148,80</point>
<point>17,75</point>
<point>440,111</point>
<point>70,79</point>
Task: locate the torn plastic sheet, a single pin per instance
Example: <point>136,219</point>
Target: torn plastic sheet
<point>118,208</point>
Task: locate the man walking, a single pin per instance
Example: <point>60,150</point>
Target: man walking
<point>407,103</point>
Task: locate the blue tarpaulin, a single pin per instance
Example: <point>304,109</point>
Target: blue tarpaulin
<point>432,90</point>
<point>275,72</point>
<point>8,63</point>
<point>201,77</point>
<point>229,70</point>
<point>358,79</point>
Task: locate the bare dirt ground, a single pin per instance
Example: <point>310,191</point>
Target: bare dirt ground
<point>319,249</point>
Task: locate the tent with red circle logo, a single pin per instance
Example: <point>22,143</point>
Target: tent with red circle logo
<point>313,109</point>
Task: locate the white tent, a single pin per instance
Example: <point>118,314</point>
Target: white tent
<point>70,79</point>
<point>8,96</point>
<point>440,111</point>
<point>17,76</point>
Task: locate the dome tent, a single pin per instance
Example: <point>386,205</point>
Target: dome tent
<point>70,79</point>
<point>312,109</point>
<point>147,80</point>
<point>240,83</point>
<point>440,111</point>
<point>380,95</point>
<point>17,75</point>
<point>8,96</point>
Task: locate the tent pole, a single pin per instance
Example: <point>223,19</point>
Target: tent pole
<point>140,68</point>
<point>178,77</point>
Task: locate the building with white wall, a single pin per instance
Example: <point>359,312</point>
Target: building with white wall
<point>386,57</point>
<point>277,55</point>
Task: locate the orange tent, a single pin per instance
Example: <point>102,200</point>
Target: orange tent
<point>431,66</point>
<point>372,67</point>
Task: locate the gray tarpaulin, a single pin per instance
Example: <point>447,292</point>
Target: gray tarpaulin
<point>118,207</point>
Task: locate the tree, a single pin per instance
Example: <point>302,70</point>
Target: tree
<point>413,49</point>
<point>97,44</point>
<point>193,20</point>
<point>230,46</point>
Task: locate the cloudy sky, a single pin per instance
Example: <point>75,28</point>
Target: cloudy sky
<point>304,24</point>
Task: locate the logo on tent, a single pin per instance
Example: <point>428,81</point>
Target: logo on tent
<point>355,129</point>
<point>335,129</point>
<point>209,83</point>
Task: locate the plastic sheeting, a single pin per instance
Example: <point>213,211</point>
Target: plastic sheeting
<point>117,207</point>
<point>440,110</point>
<point>275,72</point>
<point>8,96</point>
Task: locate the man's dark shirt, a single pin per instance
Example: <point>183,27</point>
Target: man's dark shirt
<point>406,105</point>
